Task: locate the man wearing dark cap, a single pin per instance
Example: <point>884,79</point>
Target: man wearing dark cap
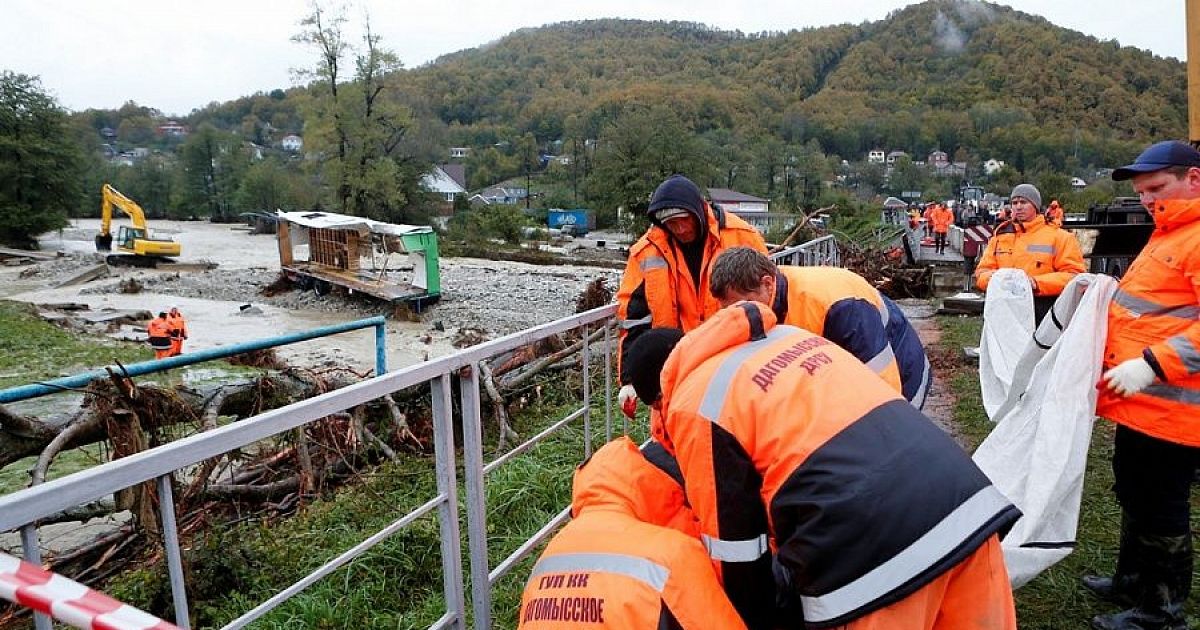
<point>666,277</point>
<point>1049,256</point>
<point>1151,390</point>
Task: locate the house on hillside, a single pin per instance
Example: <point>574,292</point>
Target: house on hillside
<point>737,202</point>
<point>458,153</point>
<point>876,156</point>
<point>1077,183</point>
<point>895,155</point>
<point>938,158</point>
<point>292,143</point>
<point>504,195</point>
<point>992,166</point>
<point>172,128</point>
<point>440,182</point>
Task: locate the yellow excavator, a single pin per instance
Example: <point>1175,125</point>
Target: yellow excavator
<point>134,241</point>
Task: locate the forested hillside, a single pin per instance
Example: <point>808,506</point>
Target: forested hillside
<point>625,103</point>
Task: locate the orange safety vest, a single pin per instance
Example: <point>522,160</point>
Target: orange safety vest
<point>159,333</point>
<point>788,443</point>
<point>942,218</point>
<point>1050,256</point>
<point>1155,315</point>
<point>657,290</point>
<point>810,294</point>
<point>615,564</point>
<point>178,325</point>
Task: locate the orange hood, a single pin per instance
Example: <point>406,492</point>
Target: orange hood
<point>619,478</point>
<point>728,328</point>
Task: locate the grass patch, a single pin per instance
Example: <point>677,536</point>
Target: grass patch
<point>34,350</point>
<point>1055,599</point>
<point>398,584</point>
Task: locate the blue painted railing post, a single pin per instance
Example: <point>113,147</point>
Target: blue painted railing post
<point>380,349</point>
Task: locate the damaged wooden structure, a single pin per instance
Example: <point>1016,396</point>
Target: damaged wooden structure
<point>394,263</point>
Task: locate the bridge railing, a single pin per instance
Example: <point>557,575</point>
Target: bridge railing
<point>822,251</point>
<point>24,508</point>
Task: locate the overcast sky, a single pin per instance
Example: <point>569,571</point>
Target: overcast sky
<point>177,56</point>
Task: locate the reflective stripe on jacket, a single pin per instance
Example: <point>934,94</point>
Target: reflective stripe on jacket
<point>782,436</point>
<point>1048,255</point>
<point>612,566</point>
<point>841,306</point>
<point>657,290</point>
<point>1155,314</point>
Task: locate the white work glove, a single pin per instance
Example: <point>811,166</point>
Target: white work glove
<point>1130,377</point>
<point>628,399</point>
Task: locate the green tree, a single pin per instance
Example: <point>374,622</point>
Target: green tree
<point>639,151</point>
<point>213,164</point>
<point>39,163</point>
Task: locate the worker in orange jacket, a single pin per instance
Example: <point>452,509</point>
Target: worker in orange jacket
<point>927,216</point>
<point>1151,389</point>
<point>178,330</point>
<point>617,563</point>
<point>665,284</point>
<point>835,303</point>
<point>1054,213</point>
<point>810,475</point>
<point>158,333</point>
<point>942,218</point>
<point>1048,255</point>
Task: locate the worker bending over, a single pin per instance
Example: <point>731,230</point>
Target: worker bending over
<point>158,333</point>
<point>618,563</point>
<point>665,284</point>
<point>1048,255</point>
<point>835,303</point>
<point>178,330</point>
<point>788,444</point>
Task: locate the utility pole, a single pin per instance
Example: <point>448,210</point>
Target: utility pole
<point>1192,19</point>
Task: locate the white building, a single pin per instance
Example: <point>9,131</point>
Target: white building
<point>292,142</point>
<point>993,165</point>
<point>440,182</point>
<point>876,156</point>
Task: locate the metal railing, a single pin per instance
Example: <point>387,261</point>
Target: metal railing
<point>822,251</point>
<point>22,509</point>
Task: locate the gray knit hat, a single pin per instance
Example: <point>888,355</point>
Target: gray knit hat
<point>1030,192</point>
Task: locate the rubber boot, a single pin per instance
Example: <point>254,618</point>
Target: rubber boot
<point>1165,585</point>
<point>1121,588</point>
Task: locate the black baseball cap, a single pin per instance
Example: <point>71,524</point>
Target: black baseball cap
<point>1159,156</point>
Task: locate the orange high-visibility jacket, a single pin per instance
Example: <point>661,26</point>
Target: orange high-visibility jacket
<point>788,443</point>
<point>178,325</point>
<point>614,565</point>
<point>1054,214</point>
<point>1050,256</point>
<point>159,332</point>
<point>942,218</point>
<point>657,290</point>
<point>1155,314</point>
<point>843,307</point>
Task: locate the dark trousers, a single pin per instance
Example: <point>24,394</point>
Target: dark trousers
<point>1154,481</point>
<point>939,242</point>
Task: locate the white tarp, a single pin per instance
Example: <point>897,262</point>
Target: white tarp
<point>333,221</point>
<point>1037,453</point>
<point>1007,326</point>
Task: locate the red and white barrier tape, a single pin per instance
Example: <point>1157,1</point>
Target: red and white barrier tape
<point>69,601</point>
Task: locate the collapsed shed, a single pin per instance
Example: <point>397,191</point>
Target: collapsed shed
<point>394,263</point>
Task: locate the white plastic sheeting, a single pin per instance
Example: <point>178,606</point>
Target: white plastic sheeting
<point>1037,453</point>
<point>1007,328</point>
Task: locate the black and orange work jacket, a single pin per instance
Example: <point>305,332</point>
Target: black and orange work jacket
<point>789,445</point>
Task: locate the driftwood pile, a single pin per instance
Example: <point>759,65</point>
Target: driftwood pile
<point>272,478</point>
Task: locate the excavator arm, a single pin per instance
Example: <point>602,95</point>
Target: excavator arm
<point>112,197</point>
